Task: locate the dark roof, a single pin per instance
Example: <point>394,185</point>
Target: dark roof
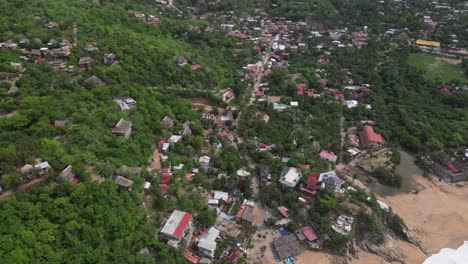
<point>313,179</point>
<point>67,173</point>
<point>123,182</point>
<point>248,215</point>
<point>287,246</point>
<point>124,169</point>
<point>122,127</point>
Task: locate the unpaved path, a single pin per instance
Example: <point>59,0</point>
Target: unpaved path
<point>21,188</point>
<point>156,161</point>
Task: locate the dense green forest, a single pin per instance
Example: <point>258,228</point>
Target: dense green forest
<point>87,223</point>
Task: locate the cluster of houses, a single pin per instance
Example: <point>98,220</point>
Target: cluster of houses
<point>446,167</point>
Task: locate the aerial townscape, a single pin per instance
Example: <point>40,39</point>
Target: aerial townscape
<point>234,131</point>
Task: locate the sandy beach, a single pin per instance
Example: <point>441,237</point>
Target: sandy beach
<point>437,214</point>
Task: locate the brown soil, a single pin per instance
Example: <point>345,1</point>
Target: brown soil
<point>198,102</point>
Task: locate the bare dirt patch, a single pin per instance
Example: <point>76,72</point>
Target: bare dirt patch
<point>200,102</point>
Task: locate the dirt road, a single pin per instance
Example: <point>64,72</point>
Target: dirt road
<point>156,160</point>
<point>21,188</point>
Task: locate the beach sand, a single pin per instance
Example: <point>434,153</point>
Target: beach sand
<point>438,215</point>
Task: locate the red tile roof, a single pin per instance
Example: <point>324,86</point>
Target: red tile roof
<point>283,211</point>
<point>195,67</point>
<point>301,86</point>
<point>452,167</point>
<point>164,188</point>
<point>233,255</point>
<point>194,259</point>
<point>309,233</point>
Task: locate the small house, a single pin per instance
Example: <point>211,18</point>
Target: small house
<point>123,128</point>
<point>85,62</point>
<point>290,177</point>
<point>168,121</point>
<point>204,162</point>
<point>177,226</point>
<point>109,58</point>
<point>124,183</point>
<point>67,175</point>
<point>123,170</point>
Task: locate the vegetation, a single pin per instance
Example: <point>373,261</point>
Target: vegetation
<point>437,68</point>
<point>388,177</point>
<point>67,224</point>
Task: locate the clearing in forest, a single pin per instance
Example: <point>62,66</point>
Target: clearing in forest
<point>436,67</point>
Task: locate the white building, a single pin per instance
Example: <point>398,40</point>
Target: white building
<point>176,227</point>
<point>290,177</point>
<point>351,103</point>
<point>207,242</point>
<point>204,162</point>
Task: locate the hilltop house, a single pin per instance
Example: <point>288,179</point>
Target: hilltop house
<point>168,121</point>
<point>207,242</point>
<point>309,188</point>
<point>129,170</point>
<point>176,227</point>
<point>109,58</point>
<point>123,128</point>
<point>369,138</point>
<point>204,162</point>
<point>124,183</point>
<point>85,62</point>
<point>328,155</point>
<point>227,95</point>
<point>68,176</point>
<point>331,180</point>
<point>290,177</point>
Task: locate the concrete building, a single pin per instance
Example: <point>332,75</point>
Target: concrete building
<point>176,227</point>
<point>207,242</point>
<point>290,177</point>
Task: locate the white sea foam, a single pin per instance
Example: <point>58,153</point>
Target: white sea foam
<point>450,256</point>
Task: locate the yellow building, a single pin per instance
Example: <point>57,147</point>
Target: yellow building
<point>428,43</point>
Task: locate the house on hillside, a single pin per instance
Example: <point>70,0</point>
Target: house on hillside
<point>330,179</point>
<point>328,155</point>
<point>85,63</point>
<point>287,246</point>
<point>168,121</point>
<point>109,59</point>
<point>176,228</point>
<point>95,80</point>
<point>124,183</point>
<point>310,187</point>
<point>290,177</point>
<point>204,162</point>
<point>136,171</point>
<point>369,138</point>
<point>207,242</point>
<point>68,176</point>
<point>123,128</point>
<point>227,95</point>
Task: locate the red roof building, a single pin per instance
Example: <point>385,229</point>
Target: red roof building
<point>309,233</point>
<point>195,67</point>
<point>369,138</point>
<point>233,255</point>
<point>192,258</point>
<point>283,211</point>
<point>338,96</point>
<point>309,188</point>
<point>300,88</point>
<point>452,167</point>
<point>176,226</point>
